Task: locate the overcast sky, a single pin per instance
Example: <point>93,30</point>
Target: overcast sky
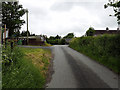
<point>52,17</point>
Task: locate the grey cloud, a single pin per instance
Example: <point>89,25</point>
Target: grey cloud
<point>67,5</point>
<point>95,8</point>
<point>111,23</point>
<point>9,0</point>
<point>62,6</point>
<point>38,11</point>
<point>42,17</point>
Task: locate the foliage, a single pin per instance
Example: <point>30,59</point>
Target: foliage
<point>10,57</point>
<point>17,33</point>
<point>116,7</point>
<point>58,37</point>
<point>32,34</point>
<point>69,35</point>
<point>62,41</point>
<point>28,69</point>
<point>53,42</point>
<point>24,33</point>
<point>104,49</point>
<point>11,14</point>
<point>57,40</point>
<point>90,31</point>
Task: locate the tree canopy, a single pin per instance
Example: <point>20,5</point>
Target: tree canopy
<point>90,31</point>
<point>69,35</point>
<point>58,37</point>
<point>24,33</point>
<point>11,13</point>
<point>116,7</point>
<point>58,40</point>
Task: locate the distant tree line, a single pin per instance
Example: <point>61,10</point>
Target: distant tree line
<point>24,33</point>
<point>58,40</point>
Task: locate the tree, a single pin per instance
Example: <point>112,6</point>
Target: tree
<point>69,35</point>
<point>58,37</point>
<point>32,34</point>
<point>11,13</point>
<point>116,7</point>
<point>90,31</point>
<point>62,41</point>
<point>17,33</point>
<point>52,38</point>
<point>24,33</point>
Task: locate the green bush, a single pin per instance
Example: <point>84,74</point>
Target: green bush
<point>104,49</point>
<point>18,71</point>
<point>57,41</point>
<point>10,55</point>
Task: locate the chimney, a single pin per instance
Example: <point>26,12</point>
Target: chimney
<point>107,29</point>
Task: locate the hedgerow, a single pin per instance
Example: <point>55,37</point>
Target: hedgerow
<point>105,49</point>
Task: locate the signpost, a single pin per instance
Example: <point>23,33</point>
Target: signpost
<point>5,33</point>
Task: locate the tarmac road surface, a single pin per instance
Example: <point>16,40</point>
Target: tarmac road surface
<point>75,70</point>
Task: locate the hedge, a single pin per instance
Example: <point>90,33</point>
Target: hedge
<point>105,49</point>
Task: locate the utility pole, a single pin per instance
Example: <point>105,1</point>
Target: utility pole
<point>27,24</point>
<point>119,21</point>
<point>0,35</point>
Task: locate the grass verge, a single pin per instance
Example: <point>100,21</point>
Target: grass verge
<point>44,45</point>
<point>27,71</point>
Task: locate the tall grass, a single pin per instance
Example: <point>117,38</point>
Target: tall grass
<point>104,49</point>
<point>19,70</point>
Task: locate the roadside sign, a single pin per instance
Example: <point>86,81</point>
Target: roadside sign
<point>5,35</point>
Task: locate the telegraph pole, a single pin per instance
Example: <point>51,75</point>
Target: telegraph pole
<point>119,21</point>
<point>5,33</point>
<point>27,24</point>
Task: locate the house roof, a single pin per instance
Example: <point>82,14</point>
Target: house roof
<point>37,37</point>
<point>28,37</point>
<point>106,32</point>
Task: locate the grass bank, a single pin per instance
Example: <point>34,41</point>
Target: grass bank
<point>104,49</point>
<point>45,45</point>
<point>27,69</point>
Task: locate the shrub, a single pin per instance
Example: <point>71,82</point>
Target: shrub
<point>25,70</point>
<point>10,57</point>
<point>104,49</point>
